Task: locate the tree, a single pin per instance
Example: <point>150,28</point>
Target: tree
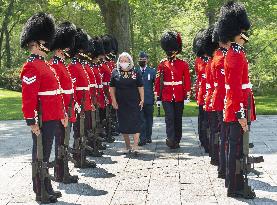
<point>116,14</point>
<point>4,30</point>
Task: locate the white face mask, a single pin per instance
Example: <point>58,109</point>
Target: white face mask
<point>124,65</point>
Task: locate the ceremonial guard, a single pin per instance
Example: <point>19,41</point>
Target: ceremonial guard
<point>209,48</point>
<point>172,87</point>
<point>218,99</point>
<point>200,88</point>
<point>106,72</point>
<point>42,102</point>
<point>148,76</point>
<point>81,83</point>
<point>232,26</point>
<point>64,40</point>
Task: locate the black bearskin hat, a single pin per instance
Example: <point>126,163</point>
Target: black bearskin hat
<point>96,47</point>
<point>208,45</point>
<point>40,26</point>
<point>196,45</point>
<point>81,42</point>
<point>232,20</point>
<point>64,36</point>
<point>171,41</point>
<point>107,42</point>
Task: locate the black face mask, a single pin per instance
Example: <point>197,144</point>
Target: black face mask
<point>44,47</point>
<point>142,63</point>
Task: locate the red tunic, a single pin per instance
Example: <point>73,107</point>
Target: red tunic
<point>106,78</point>
<point>176,80</point>
<point>197,63</point>
<point>100,95</point>
<point>202,81</point>
<point>40,84</point>
<point>219,79</point>
<point>238,86</point>
<point>81,82</point>
<point>92,80</point>
<point>66,84</point>
<point>209,86</point>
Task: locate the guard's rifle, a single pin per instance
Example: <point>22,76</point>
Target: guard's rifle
<point>65,150</point>
<point>92,135</point>
<point>39,167</point>
<point>81,143</point>
<point>108,119</point>
<point>246,163</point>
<point>161,90</point>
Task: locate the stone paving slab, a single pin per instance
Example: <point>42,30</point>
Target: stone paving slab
<point>158,176</point>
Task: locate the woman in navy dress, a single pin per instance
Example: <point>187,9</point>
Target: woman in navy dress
<point>127,93</point>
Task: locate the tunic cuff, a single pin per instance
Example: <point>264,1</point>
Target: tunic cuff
<point>31,121</point>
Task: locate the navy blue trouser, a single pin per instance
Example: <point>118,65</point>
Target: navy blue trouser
<point>235,134</point>
<point>222,144</point>
<point>48,131</point>
<point>202,127</point>
<point>173,120</point>
<point>76,129</point>
<point>147,117</point>
<point>214,136</point>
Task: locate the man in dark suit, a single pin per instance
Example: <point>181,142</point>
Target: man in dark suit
<point>148,75</point>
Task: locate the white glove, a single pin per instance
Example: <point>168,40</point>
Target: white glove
<point>159,103</point>
<point>77,107</point>
<point>187,101</point>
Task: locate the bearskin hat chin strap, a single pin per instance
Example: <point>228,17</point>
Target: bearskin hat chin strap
<point>244,36</point>
<point>85,56</point>
<point>44,47</point>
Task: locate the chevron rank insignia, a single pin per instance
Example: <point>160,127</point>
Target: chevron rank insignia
<point>30,80</point>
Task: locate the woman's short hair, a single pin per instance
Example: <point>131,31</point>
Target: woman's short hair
<point>125,54</point>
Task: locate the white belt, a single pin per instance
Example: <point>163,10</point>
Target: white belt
<point>208,86</point>
<point>173,83</point>
<point>71,91</point>
<point>248,85</point>
<point>50,92</point>
<point>215,84</point>
<point>93,85</point>
<point>243,86</point>
<point>100,86</point>
<point>105,83</point>
<point>82,88</point>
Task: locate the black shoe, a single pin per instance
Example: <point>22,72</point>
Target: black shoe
<point>221,175</point>
<point>214,162</point>
<point>175,146</point>
<point>141,144</point>
<point>87,164</point>
<point>71,179</point>
<point>57,194</point>
<point>169,143</point>
<point>241,194</point>
<point>51,199</point>
<point>149,141</point>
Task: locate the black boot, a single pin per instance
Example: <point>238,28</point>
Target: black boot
<point>50,189</point>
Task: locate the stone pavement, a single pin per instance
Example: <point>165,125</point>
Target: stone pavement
<point>157,176</point>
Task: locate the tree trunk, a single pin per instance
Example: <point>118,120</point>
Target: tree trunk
<point>8,49</point>
<point>5,24</point>
<point>116,16</point>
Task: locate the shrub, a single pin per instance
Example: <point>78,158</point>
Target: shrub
<point>10,79</point>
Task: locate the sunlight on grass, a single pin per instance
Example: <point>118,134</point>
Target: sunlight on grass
<point>10,106</point>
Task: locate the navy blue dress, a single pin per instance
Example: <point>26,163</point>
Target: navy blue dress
<point>126,85</point>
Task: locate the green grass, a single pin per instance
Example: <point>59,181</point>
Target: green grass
<point>10,106</point>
